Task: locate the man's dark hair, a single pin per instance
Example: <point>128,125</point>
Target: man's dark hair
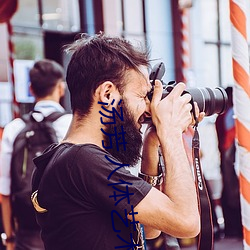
<point>96,59</point>
<point>44,76</point>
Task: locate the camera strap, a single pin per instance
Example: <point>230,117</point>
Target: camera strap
<point>205,238</point>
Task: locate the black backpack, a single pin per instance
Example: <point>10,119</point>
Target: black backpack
<point>37,135</point>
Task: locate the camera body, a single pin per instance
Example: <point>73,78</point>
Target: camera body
<point>210,101</point>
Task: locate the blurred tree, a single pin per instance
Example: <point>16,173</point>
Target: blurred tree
<point>25,49</point>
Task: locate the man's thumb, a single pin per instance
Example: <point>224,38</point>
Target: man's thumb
<point>157,92</point>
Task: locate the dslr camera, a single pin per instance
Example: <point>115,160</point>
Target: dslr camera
<point>210,101</point>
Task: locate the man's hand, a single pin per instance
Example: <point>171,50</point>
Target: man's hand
<point>199,115</point>
<point>172,114</point>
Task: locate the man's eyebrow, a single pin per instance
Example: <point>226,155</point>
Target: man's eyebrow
<point>149,86</point>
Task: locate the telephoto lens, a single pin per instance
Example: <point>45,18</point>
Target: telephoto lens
<point>210,101</point>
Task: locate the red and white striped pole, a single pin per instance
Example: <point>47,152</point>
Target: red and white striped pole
<point>241,95</point>
<point>11,69</point>
<point>185,66</point>
<point>185,55</point>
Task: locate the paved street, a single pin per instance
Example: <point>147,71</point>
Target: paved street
<point>223,244</point>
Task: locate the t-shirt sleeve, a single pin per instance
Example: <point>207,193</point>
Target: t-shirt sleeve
<point>106,181</point>
<point>10,133</point>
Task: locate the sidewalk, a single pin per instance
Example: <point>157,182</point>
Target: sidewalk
<point>223,244</point>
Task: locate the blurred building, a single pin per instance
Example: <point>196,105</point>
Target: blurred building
<point>191,37</point>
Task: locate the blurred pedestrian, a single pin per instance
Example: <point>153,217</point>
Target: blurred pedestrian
<point>48,86</point>
<point>225,126</point>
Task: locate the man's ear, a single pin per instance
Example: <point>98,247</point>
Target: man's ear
<point>31,90</point>
<point>62,88</point>
<point>106,92</point>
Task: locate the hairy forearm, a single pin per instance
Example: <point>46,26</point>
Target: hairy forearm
<point>150,157</point>
<point>179,183</point>
<point>149,166</point>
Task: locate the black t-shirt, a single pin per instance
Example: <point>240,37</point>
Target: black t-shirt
<point>87,203</point>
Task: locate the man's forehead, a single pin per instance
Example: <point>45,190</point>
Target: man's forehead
<point>138,80</point>
<point>145,74</point>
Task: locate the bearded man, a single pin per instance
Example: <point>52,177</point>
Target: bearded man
<point>84,195</point>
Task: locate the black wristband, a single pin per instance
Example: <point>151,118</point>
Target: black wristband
<point>10,239</point>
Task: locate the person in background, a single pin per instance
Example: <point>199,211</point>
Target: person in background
<point>225,126</point>
<point>210,162</point>
<point>47,86</point>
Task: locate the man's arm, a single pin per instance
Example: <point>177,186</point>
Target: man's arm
<point>7,220</point>
<point>9,134</point>
<point>175,211</point>
<point>149,166</point>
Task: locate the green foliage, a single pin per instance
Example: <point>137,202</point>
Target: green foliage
<point>25,49</point>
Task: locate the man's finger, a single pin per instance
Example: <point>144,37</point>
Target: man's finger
<point>157,92</point>
<point>178,90</point>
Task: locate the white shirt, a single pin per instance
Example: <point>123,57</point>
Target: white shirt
<point>11,131</point>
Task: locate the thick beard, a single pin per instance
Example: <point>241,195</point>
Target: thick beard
<point>133,138</point>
